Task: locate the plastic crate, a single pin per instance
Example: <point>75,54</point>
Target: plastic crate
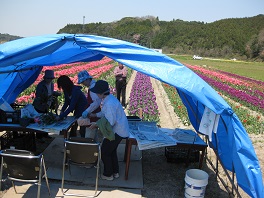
<point>179,155</point>
<point>5,139</point>
<point>133,118</point>
<point>10,117</point>
<point>17,106</point>
<point>7,117</point>
<point>18,140</point>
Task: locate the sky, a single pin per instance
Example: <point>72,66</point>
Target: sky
<point>38,17</point>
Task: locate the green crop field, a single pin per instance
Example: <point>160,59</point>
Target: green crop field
<point>253,70</point>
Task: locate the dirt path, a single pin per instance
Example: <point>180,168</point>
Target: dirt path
<point>168,118</point>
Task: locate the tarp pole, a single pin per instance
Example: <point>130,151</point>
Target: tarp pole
<point>226,172</point>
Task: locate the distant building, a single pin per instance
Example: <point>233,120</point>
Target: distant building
<point>158,50</point>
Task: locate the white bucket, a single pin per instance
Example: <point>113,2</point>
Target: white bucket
<point>195,183</point>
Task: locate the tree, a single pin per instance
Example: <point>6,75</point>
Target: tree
<point>136,38</point>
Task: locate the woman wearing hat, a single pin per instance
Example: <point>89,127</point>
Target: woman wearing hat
<point>113,112</point>
<point>93,100</point>
<point>43,97</point>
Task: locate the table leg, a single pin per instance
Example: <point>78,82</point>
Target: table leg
<point>34,142</point>
<point>65,133</point>
<point>188,157</point>
<point>127,154</point>
<point>201,158</point>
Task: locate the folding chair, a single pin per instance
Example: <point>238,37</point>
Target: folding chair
<point>82,152</point>
<point>133,118</point>
<point>23,166</point>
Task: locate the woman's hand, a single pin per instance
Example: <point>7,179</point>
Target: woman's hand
<point>93,125</point>
<point>92,115</point>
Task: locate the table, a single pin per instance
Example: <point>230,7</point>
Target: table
<point>129,143</point>
<point>198,144</point>
<point>60,127</point>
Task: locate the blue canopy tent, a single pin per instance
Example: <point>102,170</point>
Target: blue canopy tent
<point>22,60</point>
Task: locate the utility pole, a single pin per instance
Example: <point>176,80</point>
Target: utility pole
<point>83,23</point>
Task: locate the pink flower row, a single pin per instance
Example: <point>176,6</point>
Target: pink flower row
<point>237,82</point>
<point>253,99</point>
<point>221,77</point>
<point>73,68</point>
<point>71,71</point>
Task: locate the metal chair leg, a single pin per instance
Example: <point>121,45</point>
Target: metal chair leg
<point>13,184</point>
<point>1,173</point>
<point>63,171</point>
<point>46,178</point>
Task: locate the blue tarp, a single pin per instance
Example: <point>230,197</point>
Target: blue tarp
<point>22,60</point>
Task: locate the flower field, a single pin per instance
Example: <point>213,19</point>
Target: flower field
<point>142,96</point>
<point>238,91</point>
<point>248,92</point>
<point>97,69</point>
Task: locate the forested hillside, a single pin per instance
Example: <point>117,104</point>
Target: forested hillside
<point>227,38</point>
<point>6,37</point>
<point>241,38</point>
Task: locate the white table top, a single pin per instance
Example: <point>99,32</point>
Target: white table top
<point>161,137</point>
<point>55,128</point>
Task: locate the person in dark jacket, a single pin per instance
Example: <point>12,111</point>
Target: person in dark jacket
<point>44,93</point>
<point>44,98</point>
<point>75,101</point>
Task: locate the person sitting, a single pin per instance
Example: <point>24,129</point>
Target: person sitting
<point>44,97</point>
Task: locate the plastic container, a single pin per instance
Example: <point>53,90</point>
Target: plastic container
<point>196,181</point>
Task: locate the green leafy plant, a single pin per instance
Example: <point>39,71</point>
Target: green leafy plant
<point>48,118</point>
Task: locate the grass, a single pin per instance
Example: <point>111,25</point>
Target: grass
<point>253,70</point>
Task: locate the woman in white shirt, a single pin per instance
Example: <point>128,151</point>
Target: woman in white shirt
<point>113,111</point>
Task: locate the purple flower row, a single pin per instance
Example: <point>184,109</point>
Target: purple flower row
<point>243,78</point>
<point>246,92</point>
<point>142,96</point>
<point>235,94</point>
<point>256,86</point>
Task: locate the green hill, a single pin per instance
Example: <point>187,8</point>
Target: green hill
<point>6,37</point>
<point>227,38</point>
<point>241,38</point>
